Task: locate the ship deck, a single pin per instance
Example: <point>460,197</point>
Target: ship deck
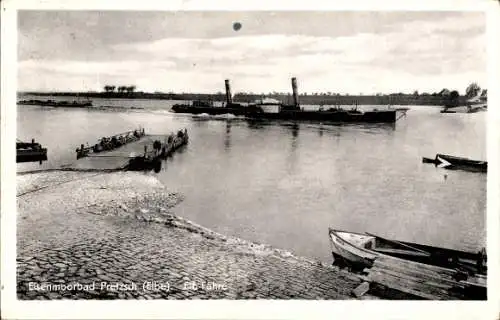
<point>115,159</point>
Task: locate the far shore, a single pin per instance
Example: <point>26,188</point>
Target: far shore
<point>306,99</point>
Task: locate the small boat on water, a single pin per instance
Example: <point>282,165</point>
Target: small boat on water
<point>427,268</point>
<point>452,162</point>
<point>30,152</point>
<point>464,109</point>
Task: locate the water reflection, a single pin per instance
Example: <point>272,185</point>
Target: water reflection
<point>295,133</point>
<point>255,123</point>
<point>227,137</point>
<point>292,156</point>
<point>295,130</point>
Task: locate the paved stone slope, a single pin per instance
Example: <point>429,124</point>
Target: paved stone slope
<point>110,236</point>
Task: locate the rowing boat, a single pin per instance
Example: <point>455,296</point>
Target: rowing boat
<point>421,271</point>
<point>452,162</point>
<point>362,249</point>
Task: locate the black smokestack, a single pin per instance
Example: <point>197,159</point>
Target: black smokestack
<point>229,98</point>
<point>295,93</point>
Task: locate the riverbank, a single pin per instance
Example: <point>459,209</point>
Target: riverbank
<point>112,236</point>
<point>305,99</point>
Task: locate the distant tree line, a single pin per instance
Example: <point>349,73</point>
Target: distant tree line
<point>445,97</point>
<point>119,89</point>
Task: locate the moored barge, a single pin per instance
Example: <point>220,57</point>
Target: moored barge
<point>30,152</point>
<point>53,103</point>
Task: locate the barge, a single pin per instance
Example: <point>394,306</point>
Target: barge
<point>151,160</point>
<point>276,110</point>
<point>53,103</point>
<point>453,163</point>
<point>110,143</point>
<point>30,152</point>
<point>139,152</point>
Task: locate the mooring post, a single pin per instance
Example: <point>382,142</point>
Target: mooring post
<point>295,93</point>
<point>229,98</point>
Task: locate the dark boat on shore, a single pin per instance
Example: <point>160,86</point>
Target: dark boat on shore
<point>281,111</point>
<point>427,269</point>
<point>454,163</point>
<point>30,152</point>
<point>53,103</point>
<point>474,263</point>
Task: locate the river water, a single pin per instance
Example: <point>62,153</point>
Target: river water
<point>284,184</point>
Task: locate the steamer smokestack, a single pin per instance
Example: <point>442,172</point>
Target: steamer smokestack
<point>295,93</point>
<point>229,98</point>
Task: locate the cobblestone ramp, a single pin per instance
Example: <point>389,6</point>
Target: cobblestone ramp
<point>99,230</point>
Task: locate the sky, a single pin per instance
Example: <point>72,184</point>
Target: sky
<point>343,52</point>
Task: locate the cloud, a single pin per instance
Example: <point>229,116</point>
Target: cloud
<point>423,55</point>
<point>125,67</point>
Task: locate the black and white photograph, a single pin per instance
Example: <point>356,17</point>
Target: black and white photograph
<point>251,155</point>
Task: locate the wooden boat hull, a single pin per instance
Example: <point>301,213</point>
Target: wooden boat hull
<point>30,155</point>
<point>351,253</point>
<point>415,278</point>
<point>370,246</point>
<point>437,256</point>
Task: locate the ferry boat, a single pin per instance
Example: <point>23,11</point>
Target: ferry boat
<point>273,109</point>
